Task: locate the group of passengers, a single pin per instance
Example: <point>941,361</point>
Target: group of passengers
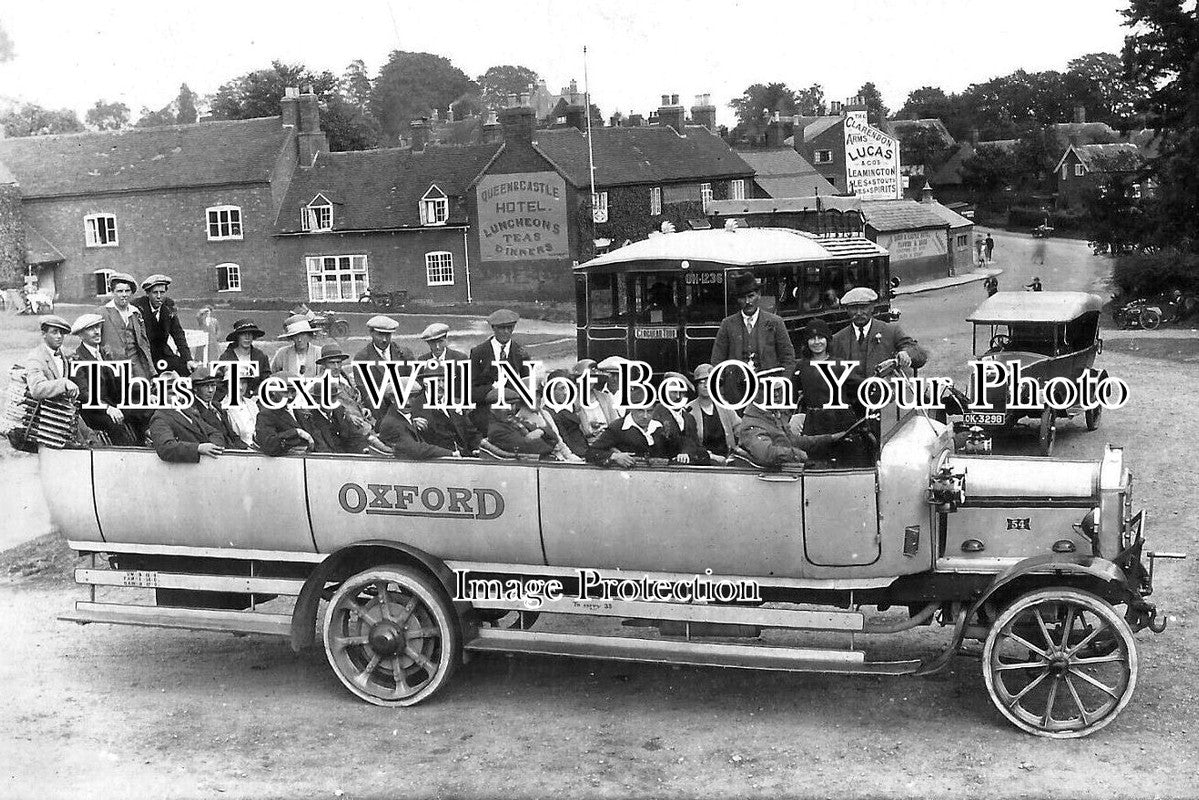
<point>601,432</point>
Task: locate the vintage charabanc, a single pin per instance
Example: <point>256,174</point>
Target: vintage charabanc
<point>1051,336</point>
<point>412,566</point>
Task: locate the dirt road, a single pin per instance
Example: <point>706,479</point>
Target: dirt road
<point>105,711</point>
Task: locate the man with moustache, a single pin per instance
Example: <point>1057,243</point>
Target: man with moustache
<point>871,342</point>
<point>752,335</point>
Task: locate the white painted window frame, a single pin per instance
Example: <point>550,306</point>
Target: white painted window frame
<point>438,261</point>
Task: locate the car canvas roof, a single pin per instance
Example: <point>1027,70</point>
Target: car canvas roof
<point>1035,307</point>
<point>736,247</point>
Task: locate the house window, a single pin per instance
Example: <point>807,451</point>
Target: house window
<point>336,278</point>
<point>737,190</point>
<point>822,157</point>
<point>705,194</point>
<point>655,201</point>
<point>439,268</point>
<point>103,282</point>
<point>599,207</point>
<point>224,222</point>
<point>434,207</point>
<point>100,230</point>
<point>1079,170</point>
<point>317,215</point>
<point>228,278</point>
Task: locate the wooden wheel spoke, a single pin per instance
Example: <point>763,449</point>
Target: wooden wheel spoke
<point>364,676</point>
<point>1098,684</point>
<point>409,607</point>
<point>1107,659</point>
<point>384,600</point>
<point>1014,699</point>
<point>1067,627</point>
<point>1021,665</point>
<point>1020,640</point>
<point>365,612</point>
<point>402,687</point>
<point>1082,710</point>
<point>1047,717</point>
<point>1044,629</point>
<point>1090,637</point>
<point>342,642</point>
<point>420,659</point>
<point>422,633</point>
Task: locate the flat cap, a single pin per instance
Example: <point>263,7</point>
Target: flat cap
<point>510,395</point>
<point>582,366</point>
<point>438,330</point>
<point>859,295</point>
<point>155,279</point>
<point>382,324</point>
<point>503,317</point>
<point>55,321</point>
<point>122,277</point>
<point>611,363</point>
<point>85,321</point>
<point>201,375</point>
<point>681,379</point>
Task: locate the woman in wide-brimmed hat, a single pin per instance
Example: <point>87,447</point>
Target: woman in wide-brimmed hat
<point>241,348</point>
<point>296,359</point>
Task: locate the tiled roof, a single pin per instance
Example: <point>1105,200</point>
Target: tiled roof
<point>899,128</point>
<point>381,189</point>
<point>822,124</point>
<point>900,215</point>
<point>200,154</point>
<point>1109,157</point>
<point>782,172</point>
<point>38,249</point>
<point>648,154</point>
<point>948,215</point>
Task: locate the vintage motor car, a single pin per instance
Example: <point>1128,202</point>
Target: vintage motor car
<point>1050,335</point>
<point>410,566</point>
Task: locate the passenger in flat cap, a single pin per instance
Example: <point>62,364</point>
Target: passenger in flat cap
<point>382,330</point>
<point>484,358</point>
<point>163,327</point>
<point>47,367</point>
<point>518,432</point>
<point>768,438</point>
<point>203,429</point>
<point>871,342</point>
<point>436,337</point>
<point>124,428</point>
<point>123,335</point>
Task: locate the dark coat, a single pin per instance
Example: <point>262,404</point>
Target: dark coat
<point>333,431</point>
<point>684,440</point>
<point>768,440</point>
<point>450,355</point>
<point>275,432</point>
<point>160,333</point>
<point>484,372</point>
<point>507,432</point>
<point>616,437</point>
<point>769,344</point>
<point>449,429</point>
<point>405,440</point>
<point>108,392</point>
<point>177,435</point>
<point>883,341</point>
<point>570,428</point>
<point>369,355</point>
<point>816,394</point>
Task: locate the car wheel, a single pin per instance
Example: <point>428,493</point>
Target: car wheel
<point>1151,318</point>
<point>1060,663</point>
<point>392,635</point>
<point>1048,431</point>
<point>1092,417</point>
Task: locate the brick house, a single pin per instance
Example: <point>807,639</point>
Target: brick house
<point>197,202</point>
<point>1084,168</point>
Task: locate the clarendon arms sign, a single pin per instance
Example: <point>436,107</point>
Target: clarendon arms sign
<point>871,160</point>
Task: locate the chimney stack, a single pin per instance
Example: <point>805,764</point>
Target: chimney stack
<point>671,113</point>
<point>1080,114</point>
<point>576,117</point>
<point>310,139</point>
<point>703,112</point>
<point>420,134</point>
<point>834,108</point>
<point>518,123</point>
<point>774,130</point>
<point>290,103</point>
<point>492,130</point>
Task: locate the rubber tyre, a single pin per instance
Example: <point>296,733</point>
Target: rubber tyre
<point>1150,319</point>
<point>1048,431</point>
<point>366,655</point>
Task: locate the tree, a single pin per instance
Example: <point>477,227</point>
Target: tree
<point>149,118</point>
<point>185,105</point>
<point>988,171</point>
<point>1161,54</point>
<point>927,102</point>
<point>810,102</point>
<point>33,120</point>
<point>498,82</point>
<point>1097,82</point>
<point>355,85</point>
<point>757,105</point>
<point>260,93</point>
<point>348,126</point>
<point>1115,219</point>
<point>876,112</point>
<point>468,105</point>
<point>921,145</point>
<point>412,85</point>
<point>108,116</point>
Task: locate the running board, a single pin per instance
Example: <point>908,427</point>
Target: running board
<point>700,654</point>
<point>194,619</point>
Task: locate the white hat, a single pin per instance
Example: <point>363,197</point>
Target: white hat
<point>860,295</point>
<point>611,363</point>
<point>438,330</point>
<point>296,325</point>
<point>85,321</point>
<point>382,324</point>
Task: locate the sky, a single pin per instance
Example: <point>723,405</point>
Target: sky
<point>70,54</point>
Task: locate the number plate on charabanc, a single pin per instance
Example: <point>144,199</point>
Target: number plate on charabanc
<point>983,419</point>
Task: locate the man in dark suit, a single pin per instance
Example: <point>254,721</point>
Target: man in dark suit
<point>332,431</point>
<point>680,432</point>
<point>752,335</point>
<point>435,336</point>
<point>400,431</point>
<point>484,360</point>
<point>163,326</point>
<point>116,423</point>
<point>202,430</point>
<point>871,342</point>
<point>284,431</point>
<point>379,348</point>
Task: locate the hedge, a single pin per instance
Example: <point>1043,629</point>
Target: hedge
<point>1150,274</point>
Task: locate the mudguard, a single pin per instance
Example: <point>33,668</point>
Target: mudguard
<point>371,552</point>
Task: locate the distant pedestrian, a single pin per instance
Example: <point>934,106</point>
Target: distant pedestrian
<point>991,284</point>
<point>1038,252</point>
<point>990,245</point>
<point>980,247</point>
<point>1033,286</point>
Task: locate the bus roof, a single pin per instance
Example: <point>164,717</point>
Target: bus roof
<point>737,247</point>
<point>1035,307</point>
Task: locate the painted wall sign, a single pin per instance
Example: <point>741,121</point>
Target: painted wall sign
<point>871,160</point>
<point>522,217</point>
<point>908,245</point>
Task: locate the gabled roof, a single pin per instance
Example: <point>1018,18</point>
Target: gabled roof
<point>1122,157</point>
<point>143,159</point>
<point>38,249</point>
<point>953,218</point>
<point>382,189</point>
<point>822,124</point>
<point>782,172</point>
<point>899,128</point>
<point>900,215</point>
<point>648,154</point>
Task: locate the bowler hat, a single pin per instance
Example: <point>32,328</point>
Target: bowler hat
<point>54,321</point>
<point>332,352</point>
<point>244,326</point>
<point>155,279</point>
<point>859,296</point>
<point>503,317</point>
<point>382,324</point>
<point>85,321</point>
<point>744,283</point>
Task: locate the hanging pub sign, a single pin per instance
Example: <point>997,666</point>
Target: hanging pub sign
<point>522,217</point>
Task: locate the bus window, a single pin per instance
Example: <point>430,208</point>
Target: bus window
<point>781,292</point>
<point>812,288</point>
<point>607,298</point>
<point>833,286</point>
<point>655,297</point>
<point>703,297</point>
<point>857,273</point>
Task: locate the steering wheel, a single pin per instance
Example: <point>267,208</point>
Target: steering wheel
<point>1001,341</point>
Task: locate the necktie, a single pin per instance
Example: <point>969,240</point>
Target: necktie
<point>504,352</point>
